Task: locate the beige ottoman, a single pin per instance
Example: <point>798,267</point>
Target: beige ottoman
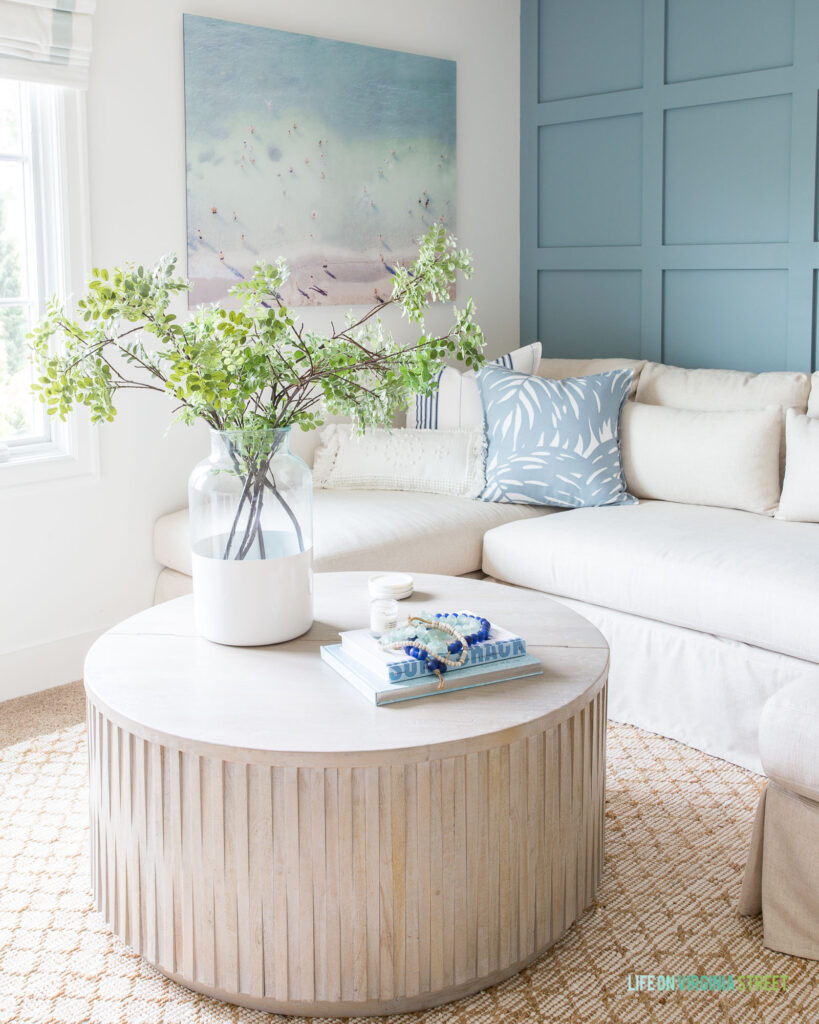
<point>782,874</point>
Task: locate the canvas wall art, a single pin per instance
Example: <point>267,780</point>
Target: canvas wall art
<point>336,156</point>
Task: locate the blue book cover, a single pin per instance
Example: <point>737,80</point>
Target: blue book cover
<point>381,692</point>
<point>396,666</point>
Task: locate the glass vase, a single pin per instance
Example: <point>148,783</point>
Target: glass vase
<point>251,531</point>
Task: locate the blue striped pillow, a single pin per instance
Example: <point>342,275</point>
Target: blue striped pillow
<point>554,442</point>
<point>456,403</point>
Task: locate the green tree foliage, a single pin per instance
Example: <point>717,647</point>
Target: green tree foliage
<point>12,318</point>
<point>13,348</point>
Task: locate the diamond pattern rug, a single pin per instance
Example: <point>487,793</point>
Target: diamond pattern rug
<point>678,825</point>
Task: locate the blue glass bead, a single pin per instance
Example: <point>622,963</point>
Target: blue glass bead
<point>423,655</point>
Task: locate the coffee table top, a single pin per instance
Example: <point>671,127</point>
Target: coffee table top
<point>154,676</point>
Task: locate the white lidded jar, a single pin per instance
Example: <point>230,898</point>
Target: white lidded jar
<point>251,531</point>
<point>383,615</point>
<point>394,585</point>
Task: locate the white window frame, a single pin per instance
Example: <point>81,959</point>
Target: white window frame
<point>59,251</point>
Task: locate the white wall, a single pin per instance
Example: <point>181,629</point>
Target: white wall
<point>76,555</point>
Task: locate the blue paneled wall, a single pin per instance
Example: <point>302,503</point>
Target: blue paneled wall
<point>669,180</point>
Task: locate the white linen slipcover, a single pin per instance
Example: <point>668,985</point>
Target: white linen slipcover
<point>700,689</point>
<point>734,574</point>
<point>389,530</point>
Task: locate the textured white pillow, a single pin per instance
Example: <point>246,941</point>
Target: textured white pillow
<point>436,461</point>
<point>725,459</point>
<point>800,491</point>
<point>456,405</point>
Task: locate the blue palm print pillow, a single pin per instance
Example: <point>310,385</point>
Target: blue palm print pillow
<point>554,442</point>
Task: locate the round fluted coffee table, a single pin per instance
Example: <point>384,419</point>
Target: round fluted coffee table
<point>264,835</point>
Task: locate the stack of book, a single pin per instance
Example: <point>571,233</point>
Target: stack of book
<point>387,677</point>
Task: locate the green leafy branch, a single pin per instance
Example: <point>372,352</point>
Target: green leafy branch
<point>256,367</point>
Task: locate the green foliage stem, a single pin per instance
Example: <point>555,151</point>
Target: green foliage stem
<point>257,367</point>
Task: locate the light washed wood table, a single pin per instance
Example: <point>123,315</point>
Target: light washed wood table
<point>262,834</point>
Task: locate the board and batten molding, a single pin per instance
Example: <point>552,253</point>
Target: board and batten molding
<point>669,181</point>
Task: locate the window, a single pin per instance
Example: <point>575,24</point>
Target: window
<point>43,243</point>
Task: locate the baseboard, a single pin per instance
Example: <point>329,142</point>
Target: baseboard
<point>39,668</point>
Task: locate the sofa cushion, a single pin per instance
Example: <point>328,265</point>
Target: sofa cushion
<point>558,369</point>
<point>813,397</point>
<point>726,459</point>
<point>800,491</point>
<point>377,530</point>
<point>554,442</point>
<point>728,573</point>
<point>456,404</point>
<point>789,738</point>
<point>724,390</point>
<point>721,389</point>
<point>433,461</point>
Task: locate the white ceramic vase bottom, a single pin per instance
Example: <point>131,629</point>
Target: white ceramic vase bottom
<point>255,602</point>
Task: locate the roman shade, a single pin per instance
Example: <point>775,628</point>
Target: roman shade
<point>47,41</point>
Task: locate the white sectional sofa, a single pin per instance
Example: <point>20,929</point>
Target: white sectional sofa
<point>708,611</point>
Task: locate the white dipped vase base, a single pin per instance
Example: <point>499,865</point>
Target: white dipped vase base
<point>253,602</point>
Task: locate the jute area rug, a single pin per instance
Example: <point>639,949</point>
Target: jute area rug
<point>677,829</point>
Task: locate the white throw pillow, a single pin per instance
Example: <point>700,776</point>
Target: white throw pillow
<point>725,459</point>
<point>800,491</point>
<point>439,461</point>
<point>721,390</point>
<point>813,397</point>
<point>456,405</point>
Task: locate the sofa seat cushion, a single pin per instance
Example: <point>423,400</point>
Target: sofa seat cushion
<point>789,738</point>
<point>391,530</point>
<point>733,574</point>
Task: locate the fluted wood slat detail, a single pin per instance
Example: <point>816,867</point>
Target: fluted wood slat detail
<point>347,889</point>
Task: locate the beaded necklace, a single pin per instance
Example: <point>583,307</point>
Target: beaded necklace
<point>426,638</point>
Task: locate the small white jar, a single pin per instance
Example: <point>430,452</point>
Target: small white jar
<point>383,615</point>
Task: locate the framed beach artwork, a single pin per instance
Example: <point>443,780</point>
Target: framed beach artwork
<point>335,156</point>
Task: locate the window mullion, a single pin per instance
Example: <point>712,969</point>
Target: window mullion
<point>54,248</point>
<point>44,227</point>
